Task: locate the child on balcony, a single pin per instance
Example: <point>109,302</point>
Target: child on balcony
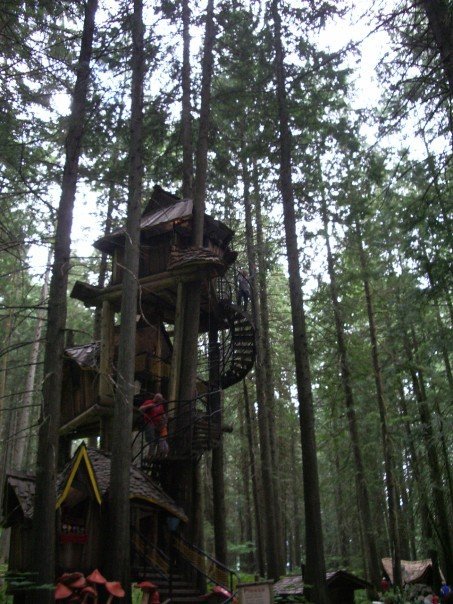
<point>156,429</point>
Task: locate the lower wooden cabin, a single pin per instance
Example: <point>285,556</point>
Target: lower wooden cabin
<point>341,586</point>
<point>82,521</point>
<point>415,572</point>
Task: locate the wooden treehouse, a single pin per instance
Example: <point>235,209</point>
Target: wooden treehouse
<point>226,355</point>
<point>167,261</point>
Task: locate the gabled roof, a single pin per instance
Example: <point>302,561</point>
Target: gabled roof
<point>86,356</point>
<point>23,488</point>
<point>97,465</point>
<point>162,211</point>
<point>292,586</point>
<point>141,486</point>
<point>66,478</point>
<point>413,571</point>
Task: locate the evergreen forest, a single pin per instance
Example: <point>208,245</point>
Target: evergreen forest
<point>321,133</point>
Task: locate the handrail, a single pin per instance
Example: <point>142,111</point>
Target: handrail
<point>159,562</point>
<point>177,425</point>
<point>214,570</point>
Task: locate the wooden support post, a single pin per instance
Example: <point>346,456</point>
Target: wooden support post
<point>175,371</point>
<point>105,370</point>
<point>106,433</point>
<point>158,354</point>
<point>106,356</point>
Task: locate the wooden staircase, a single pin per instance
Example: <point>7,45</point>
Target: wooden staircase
<point>184,581</point>
<point>181,591</point>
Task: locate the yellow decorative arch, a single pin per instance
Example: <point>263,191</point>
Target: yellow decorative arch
<point>82,454</point>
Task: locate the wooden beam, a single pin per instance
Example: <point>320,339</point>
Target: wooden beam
<point>106,352</point>
<point>175,371</point>
<point>91,295</point>
<point>88,416</point>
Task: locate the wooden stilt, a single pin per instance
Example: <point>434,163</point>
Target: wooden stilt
<point>106,353</point>
<point>175,371</point>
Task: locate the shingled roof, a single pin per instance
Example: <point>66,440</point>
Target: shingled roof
<point>86,356</point>
<point>164,209</point>
<point>413,571</point>
<point>294,586</point>
<point>141,486</point>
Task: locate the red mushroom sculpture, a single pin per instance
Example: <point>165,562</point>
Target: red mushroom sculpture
<point>62,591</point>
<point>148,589</point>
<point>96,578</point>
<point>115,590</point>
<point>89,593</point>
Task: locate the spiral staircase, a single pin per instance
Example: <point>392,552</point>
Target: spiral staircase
<point>197,427</point>
<point>238,351</point>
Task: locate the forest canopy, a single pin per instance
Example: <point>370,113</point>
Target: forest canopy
<point>336,116</point>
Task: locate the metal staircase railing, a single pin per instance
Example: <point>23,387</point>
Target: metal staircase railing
<point>206,567</point>
<point>237,350</point>
<point>196,565</point>
<point>195,427</point>
<point>147,556</point>
<point>192,430</point>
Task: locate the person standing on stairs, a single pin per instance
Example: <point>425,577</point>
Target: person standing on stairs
<point>156,425</point>
<point>244,290</point>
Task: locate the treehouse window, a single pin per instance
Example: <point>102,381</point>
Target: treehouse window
<point>74,519</point>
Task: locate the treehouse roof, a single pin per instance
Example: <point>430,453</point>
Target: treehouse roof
<point>164,212</point>
<point>95,465</point>
<point>86,356</point>
<point>294,586</point>
<point>413,571</point>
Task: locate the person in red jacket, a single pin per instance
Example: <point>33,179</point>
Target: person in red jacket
<point>156,424</point>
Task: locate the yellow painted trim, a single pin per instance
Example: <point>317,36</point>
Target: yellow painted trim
<point>82,454</point>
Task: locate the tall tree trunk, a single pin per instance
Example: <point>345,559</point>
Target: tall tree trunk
<point>260,273</point>
<point>187,162</point>
<point>442,525</point>
<point>386,442</point>
<point>295,507</point>
<point>372,559</point>
<point>192,291</point>
<point>44,505</point>
<point>24,411</point>
<point>440,19</point>
<point>119,508</point>
<point>273,559</point>
<point>249,563</point>
<point>343,550</point>
<point>259,531</point>
<point>6,413</point>
<point>103,264</point>
<point>315,564</point>
<point>217,466</point>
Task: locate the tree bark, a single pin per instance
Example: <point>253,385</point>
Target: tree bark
<point>113,177</point>
<point>187,162</point>
<point>119,508</point>
<point>372,559</point>
<point>259,532</point>
<point>315,564</point>
<point>386,442</point>
<point>260,282</point>
<point>273,556</point>
<point>249,562</point>
<point>217,466</point>
<point>442,526</point>
<point>189,352</point>
<point>24,412</point>
<point>440,19</point>
<point>44,506</point>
